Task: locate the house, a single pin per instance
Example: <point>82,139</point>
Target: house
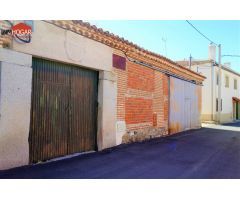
<point>230,91</point>
<point>72,87</point>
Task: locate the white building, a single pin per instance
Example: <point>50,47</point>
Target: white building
<point>230,88</point>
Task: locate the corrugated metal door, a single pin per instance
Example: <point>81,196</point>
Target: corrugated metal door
<point>83,100</point>
<point>185,105</point>
<point>63,112</point>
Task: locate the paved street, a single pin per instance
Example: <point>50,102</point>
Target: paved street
<point>204,153</point>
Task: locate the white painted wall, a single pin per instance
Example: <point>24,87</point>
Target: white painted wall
<point>107,112</point>
<point>210,91</point>
<point>15,104</point>
<point>227,93</point>
<point>50,41</point>
<point>206,70</point>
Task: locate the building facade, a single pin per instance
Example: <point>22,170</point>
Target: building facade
<point>76,88</point>
<point>230,91</point>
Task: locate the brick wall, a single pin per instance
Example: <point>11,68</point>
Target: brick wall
<point>140,77</point>
<point>138,110</point>
<point>121,93</point>
<point>142,97</point>
<point>160,100</point>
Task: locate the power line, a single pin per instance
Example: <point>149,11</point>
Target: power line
<point>209,39</point>
<point>200,32</point>
<point>230,55</point>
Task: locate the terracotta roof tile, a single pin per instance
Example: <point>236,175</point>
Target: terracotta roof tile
<point>122,40</point>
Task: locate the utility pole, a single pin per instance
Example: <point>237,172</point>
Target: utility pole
<point>219,83</point>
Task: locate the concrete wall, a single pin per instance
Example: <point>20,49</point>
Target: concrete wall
<point>107,112</point>
<point>15,104</point>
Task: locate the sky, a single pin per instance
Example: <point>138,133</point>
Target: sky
<point>176,39</point>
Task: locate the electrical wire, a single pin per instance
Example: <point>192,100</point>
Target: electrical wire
<point>209,39</point>
<point>230,55</point>
<point>200,32</point>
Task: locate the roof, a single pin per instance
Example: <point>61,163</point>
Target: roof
<point>236,99</point>
<point>128,48</point>
<point>228,69</point>
<point>185,63</point>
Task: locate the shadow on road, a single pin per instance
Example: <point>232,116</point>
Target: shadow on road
<point>236,124</point>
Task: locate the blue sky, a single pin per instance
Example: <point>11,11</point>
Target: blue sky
<point>181,39</point>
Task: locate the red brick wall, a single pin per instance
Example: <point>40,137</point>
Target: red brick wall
<point>121,92</point>
<point>142,97</point>
<point>140,77</point>
<point>166,97</point>
<point>138,110</point>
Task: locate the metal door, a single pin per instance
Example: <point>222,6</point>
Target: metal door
<point>187,114</point>
<point>185,105</point>
<point>83,115</point>
<point>63,111</point>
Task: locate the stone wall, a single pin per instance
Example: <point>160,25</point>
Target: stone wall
<point>142,134</point>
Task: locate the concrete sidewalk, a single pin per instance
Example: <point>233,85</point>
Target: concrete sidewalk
<point>235,126</point>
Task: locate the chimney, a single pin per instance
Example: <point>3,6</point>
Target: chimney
<point>212,52</point>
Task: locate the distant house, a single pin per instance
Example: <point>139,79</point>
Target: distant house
<point>230,90</point>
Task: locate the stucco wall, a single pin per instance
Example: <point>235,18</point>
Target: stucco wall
<point>210,93</point>
<point>206,89</point>
<point>15,103</point>
<point>227,94</point>
<point>107,112</point>
<point>50,41</point>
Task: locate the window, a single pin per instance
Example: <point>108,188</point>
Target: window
<point>217,78</point>
<point>217,104</point>
<point>226,81</point>
<point>235,84</point>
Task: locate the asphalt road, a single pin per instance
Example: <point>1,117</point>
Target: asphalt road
<point>203,153</point>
